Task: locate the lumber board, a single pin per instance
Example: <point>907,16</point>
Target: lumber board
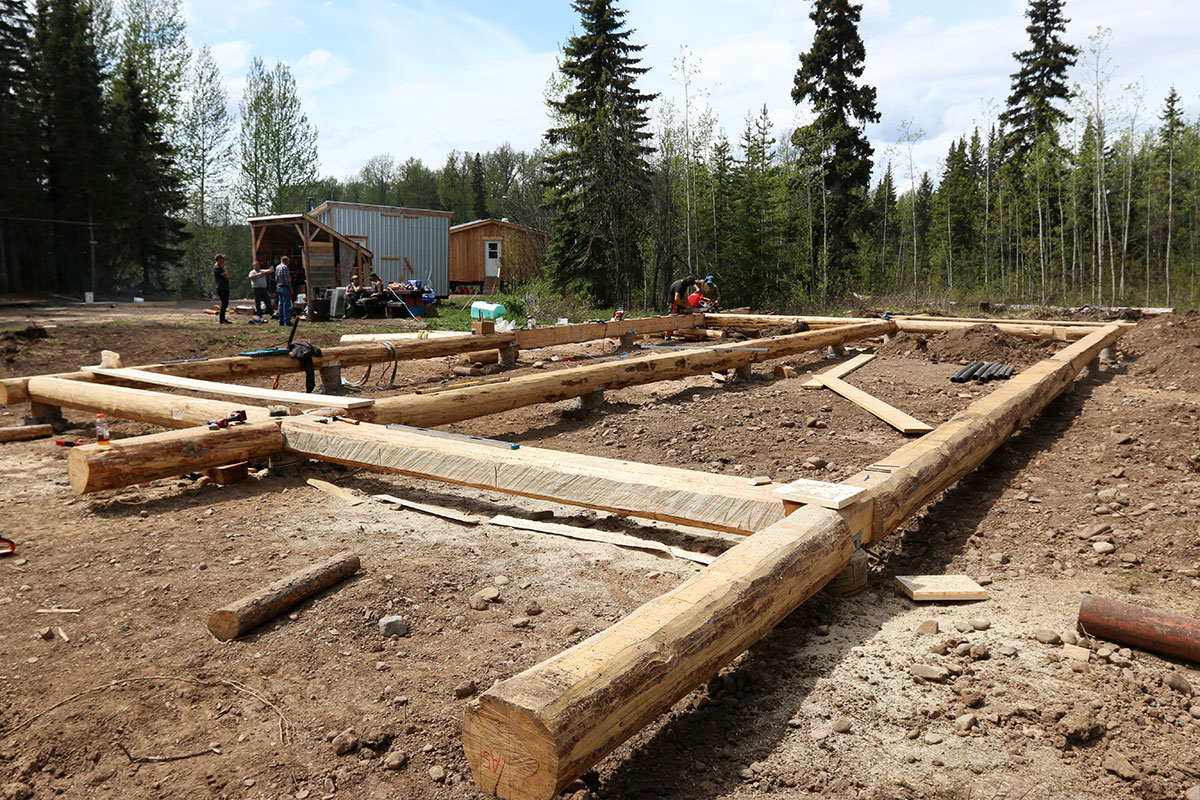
<point>157,408</point>
<point>397,336</point>
<point>940,588</point>
<point>425,508</point>
<point>247,613</point>
<point>717,502</point>
<point>236,390</point>
<point>163,455</point>
<point>840,371</point>
<point>528,736</point>
<point>606,537</point>
<point>333,490</point>
<point>890,414</point>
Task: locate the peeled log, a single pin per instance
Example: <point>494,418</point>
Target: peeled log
<point>162,455</point>
<point>1146,628</point>
<point>253,610</point>
<point>23,433</point>
<point>529,736</point>
<point>157,408</point>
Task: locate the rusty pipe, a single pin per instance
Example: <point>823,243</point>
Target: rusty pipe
<point>1145,628</point>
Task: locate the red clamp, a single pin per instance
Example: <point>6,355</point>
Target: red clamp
<point>7,546</point>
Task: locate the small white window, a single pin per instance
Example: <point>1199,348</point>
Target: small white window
<point>493,249</point>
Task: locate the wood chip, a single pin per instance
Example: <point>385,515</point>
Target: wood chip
<point>589,535</point>
<point>335,491</point>
<point>437,511</point>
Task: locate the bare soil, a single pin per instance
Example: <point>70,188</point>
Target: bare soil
<point>823,706</point>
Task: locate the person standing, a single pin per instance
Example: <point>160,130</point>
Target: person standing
<point>258,284</point>
<point>221,276</point>
<point>283,290</point>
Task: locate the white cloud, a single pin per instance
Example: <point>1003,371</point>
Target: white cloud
<point>231,57</point>
<point>319,69</point>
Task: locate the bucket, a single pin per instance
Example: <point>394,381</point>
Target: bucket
<point>482,310</point>
<point>89,298</point>
<point>853,578</point>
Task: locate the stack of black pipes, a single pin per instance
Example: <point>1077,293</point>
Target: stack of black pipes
<point>983,371</point>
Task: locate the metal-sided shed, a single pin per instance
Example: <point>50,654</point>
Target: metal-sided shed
<point>407,243</point>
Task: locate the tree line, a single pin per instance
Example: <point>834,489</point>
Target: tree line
<point>127,167</point>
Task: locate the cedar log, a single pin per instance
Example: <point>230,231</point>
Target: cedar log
<point>23,433</point>
<point>1146,628</point>
<point>529,736</point>
<point>161,455</point>
<point>269,602</point>
<point>157,408</point>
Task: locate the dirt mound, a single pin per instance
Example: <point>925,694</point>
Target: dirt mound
<point>981,342</point>
<point>741,334</point>
<point>1166,348</point>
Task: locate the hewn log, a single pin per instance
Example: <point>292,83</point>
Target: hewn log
<point>717,502</point>
<point>162,455</point>
<point>1061,333</point>
<point>531,735</point>
<point>425,411</point>
<point>249,612</point>
<point>23,433</point>
<point>1147,628</point>
<point>158,408</point>
<point>552,335</point>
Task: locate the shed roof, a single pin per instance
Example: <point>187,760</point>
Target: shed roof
<point>291,219</point>
<point>382,209</point>
<point>477,223</point>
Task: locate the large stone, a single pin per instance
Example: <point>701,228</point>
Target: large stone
<point>1118,764</point>
<point>345,742</point>
<point>1179,683</point>
<point>1080,726</point>
<point>1046,636</point>
<point>393,626</point>
<point>929,672</point>
<point>396,759</point>
<point>928,628</point>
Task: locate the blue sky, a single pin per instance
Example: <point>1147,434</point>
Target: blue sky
<point>417,78</point>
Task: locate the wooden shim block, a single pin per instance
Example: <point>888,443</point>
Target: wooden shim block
<point>23,433</point>
<point>889,414</point>
<point>784,371</point>
<point>424,508</point>
<point>819,493</point>
<point>229,473</point>
<point>249,612</point>
<point>334,490</point>
<point>607,537</point>
<point>839,371</point>
<point>236,390</point>
<point>927,588</point>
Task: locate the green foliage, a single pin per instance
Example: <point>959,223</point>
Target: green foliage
<point>1040,80</point>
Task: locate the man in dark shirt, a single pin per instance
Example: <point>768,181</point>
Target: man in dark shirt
<point>222,279</point>
<point>677,295</point>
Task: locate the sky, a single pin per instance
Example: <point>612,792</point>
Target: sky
<point>418,78</point>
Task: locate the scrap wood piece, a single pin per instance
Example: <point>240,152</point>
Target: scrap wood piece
<point>819,493</point>
<point>1147,628</point>
<point>58,610</point>
<point>235,390</point>
<point>839,371</point>
<point>589,535</point>
<point>254,609</point>
<point>889,414</point>
<point>924,588</point>
<point>334,490</point>
<point>437,511</point>
<point>229,473</point>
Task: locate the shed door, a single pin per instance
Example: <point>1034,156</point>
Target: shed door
<point>491,259</point>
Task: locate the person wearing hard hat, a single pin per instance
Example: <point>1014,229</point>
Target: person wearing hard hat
<point>712,295</point>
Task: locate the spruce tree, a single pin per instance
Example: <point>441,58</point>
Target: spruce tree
<point>1040,80</point>
<point>479,194</point>
<point>21,156</point>
<point>828,79</point>
<point>598,177</point>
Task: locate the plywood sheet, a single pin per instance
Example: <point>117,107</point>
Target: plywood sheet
<point>925,588</point>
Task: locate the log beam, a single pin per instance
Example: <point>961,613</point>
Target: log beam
<point>529,736</point>
<point>157,408</point>
<point>162,455</point>
<point>23,433</point>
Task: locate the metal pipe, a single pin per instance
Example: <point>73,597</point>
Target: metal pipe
<point>960,376</point>
<point>1146,628</point>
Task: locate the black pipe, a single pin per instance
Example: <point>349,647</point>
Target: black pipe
<point>971,373</point>
<point>960,376</point>
<point>990,375</point>
<point>1008,371</point>
<point>985,373</point>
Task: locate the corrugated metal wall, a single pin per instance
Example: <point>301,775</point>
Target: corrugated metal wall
<point>393,234</point>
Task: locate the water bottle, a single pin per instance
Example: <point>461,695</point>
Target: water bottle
<point>101,430</point>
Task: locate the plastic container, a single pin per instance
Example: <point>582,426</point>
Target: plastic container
<point>482,310</point>
<point>101,430</point>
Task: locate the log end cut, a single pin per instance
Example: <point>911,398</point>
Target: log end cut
<point>225,624</point>
<point>510,751</point>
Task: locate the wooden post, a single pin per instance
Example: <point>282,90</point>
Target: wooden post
<point>531,735</point>
<point>23,433</point>
<point>46,414</point>
<point>508,356</point>
<point>590,402</point>
<point>254,609</point>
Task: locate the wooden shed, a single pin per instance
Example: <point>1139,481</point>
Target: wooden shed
<point>321,258</point>
<point>488,252</point>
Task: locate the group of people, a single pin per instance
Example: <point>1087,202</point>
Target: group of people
<point>692,294</point>
<point>360,299</point>
<point>259,273</point>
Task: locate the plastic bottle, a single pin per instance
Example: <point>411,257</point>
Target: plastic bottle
<point>101,430</point>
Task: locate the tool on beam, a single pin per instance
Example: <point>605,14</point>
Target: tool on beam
<point>232,419</point>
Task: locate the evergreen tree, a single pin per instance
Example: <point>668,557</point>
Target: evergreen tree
<point>597,174</point>
<point>755,225</point>
<point>1040,80</point>
<point>21,156</point>
<point>155,40</point>
<point>478,193</point>
<point>146,193</point>
<point>454,187</point>
<point>1170,134</point>
<point>205,146</point>
<point>828,80</point>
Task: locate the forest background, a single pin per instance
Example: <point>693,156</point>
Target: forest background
<point>127,167</point>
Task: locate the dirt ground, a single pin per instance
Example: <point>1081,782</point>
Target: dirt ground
<point>94,702</point>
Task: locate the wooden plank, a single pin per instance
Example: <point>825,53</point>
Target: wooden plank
<point>820,493</point>
<point>889,414</point>
<point>607,537</point>
<point>425,508</point>
<point>718,502</point>
<point>927,588</point>
<point>840,371</point>
<point>236,390</point>
<point>333,490</point>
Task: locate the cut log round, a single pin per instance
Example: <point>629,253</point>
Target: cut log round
<point>253,610</point>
